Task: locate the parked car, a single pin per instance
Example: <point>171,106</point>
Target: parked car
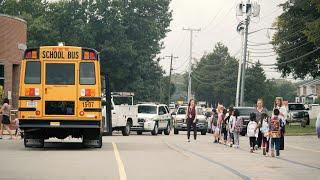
<point>297,113</point>
<point>124,114</point>
<point>244,113</point>
<point>180,123</point>
<point>154,118</point>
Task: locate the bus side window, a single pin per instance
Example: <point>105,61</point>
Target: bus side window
<point>33,72</point>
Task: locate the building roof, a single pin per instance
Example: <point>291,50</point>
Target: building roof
<point>13,17</point>
<point>310,82</point>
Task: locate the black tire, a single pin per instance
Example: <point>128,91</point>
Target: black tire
<point>175,131</point>
<point>203,132</point>
<point>167,130</point>
<point>35,135</point>
<point>155,130</point>
<point>99,142</point>
<point>92,135</point>
<point>139,132</point>
<point>126,129</point>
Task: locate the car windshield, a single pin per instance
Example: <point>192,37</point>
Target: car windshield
<point>293,107</point>
<point>147,109</point>
<point>245,111</point>
<point>182,110</point>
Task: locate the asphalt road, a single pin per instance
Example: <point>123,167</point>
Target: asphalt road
<point>158,157</point>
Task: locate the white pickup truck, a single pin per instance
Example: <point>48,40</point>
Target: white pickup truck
<point>123,114</point>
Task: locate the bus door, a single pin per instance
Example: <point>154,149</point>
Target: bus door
<point>60,88</point>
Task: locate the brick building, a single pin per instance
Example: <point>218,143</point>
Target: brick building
<point>13,37</point>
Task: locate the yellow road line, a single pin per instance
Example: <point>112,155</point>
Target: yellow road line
<point>122,172</point>
<point>301,148</point>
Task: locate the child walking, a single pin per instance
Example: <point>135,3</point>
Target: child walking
<point>275,132</point>
<point>230,126</point>
<point>252,131</point>
<point>237,128</point>
<point>264,129</point>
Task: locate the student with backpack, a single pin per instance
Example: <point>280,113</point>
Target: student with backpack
<point>252,131</point>
<point>264,129</point>
<point>224,131</point>
<point>229,127</point>
<point>237,128</point>
<point>275,132</point>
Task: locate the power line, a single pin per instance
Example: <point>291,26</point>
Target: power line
<point>292,60</point>
<point>194,77</point>
<point>285,52</point>
<point>211,21</point>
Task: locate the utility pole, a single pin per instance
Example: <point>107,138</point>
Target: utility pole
<point>160,87</point>
<point>169,86</point>
<point>239,73</point>
<point>247,9</point>
<point>245,46</point>
<point>191,30</point>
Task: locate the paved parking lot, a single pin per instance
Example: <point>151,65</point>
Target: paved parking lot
<point>158,157</point>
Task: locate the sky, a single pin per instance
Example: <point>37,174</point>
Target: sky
<point>218,21</point>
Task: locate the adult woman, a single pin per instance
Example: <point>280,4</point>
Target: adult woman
<point>259,111</point>
<point>5,110</point>
<point>278,104</point>
<point>191,119</point>
<point>217,130</point>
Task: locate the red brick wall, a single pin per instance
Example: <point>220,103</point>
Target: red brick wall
<point>13,31</point>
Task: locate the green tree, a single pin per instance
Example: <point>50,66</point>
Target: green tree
<point>298,35</point>
<point>164,92</point>
<point>215,77</point>
<point>255,84</point>
<point>127,34</point>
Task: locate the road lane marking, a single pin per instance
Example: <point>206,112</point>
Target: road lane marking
<point>286,160</point>
<point>177,150</point>
<point>304,149</point>
<point>242,176</point>
<point>122,172</point>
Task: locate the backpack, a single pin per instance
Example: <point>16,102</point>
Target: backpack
<point>251,129</point>
<point>238,125</point>
<point>264,126</point>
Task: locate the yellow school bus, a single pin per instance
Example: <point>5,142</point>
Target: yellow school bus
<point>60,95</point>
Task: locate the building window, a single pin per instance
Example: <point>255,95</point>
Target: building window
<point>313,89</point>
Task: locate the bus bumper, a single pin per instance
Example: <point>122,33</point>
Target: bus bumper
<point>77,124</point>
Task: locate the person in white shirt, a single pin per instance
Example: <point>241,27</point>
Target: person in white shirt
<point>252,131</point>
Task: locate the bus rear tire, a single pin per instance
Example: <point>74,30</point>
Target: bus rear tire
<point>31,137</point>
<point>92,138</point>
